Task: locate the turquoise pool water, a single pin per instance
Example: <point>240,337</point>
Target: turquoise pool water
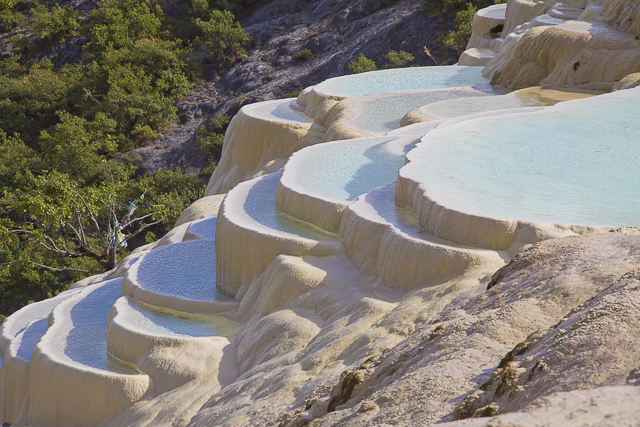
<point>185,270</point>
<point>575,163</point>
<point>346,169</point>
<point>398,79</point>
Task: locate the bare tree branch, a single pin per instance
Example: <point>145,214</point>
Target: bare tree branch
<point>138,219</point>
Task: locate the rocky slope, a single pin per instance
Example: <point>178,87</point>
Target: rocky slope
<point>336,32</point>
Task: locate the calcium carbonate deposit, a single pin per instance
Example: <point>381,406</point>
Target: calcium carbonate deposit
<point>440,245</point>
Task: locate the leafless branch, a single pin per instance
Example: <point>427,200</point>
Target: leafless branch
<point>138,219</point>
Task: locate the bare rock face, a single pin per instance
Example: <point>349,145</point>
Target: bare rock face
<point>334,31</point>
<point>556,331</point>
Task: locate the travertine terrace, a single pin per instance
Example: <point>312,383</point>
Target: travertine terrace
<point>401,247</point>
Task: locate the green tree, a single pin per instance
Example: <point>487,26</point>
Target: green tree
<point>221,39</point>
<point>55,24</point>
<point>398,59</point>
<point>361,65</point>
<point>457,40</point>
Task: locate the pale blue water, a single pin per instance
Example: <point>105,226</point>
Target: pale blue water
<point>415,78</point>
<point>86,342</point>
<point>277,110</point>
<point>186,270</point>
<point>350,168</point>
<point>575,163</point>
<point>379,116</point>
<point>382,202</point>
<point>260,207</point>
<point>180,326</point>
<point>30,337</point>
<point>204,228</point>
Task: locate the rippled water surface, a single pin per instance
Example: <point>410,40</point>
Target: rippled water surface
<point>260,208</point>
<point>85,341</point>
<point>186,270</point>
<point>402,79</point>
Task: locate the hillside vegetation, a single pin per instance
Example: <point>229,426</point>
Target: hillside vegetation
<point>82,85</point>
<point>70,198</point>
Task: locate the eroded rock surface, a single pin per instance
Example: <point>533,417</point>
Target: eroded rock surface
<point>335,31</point>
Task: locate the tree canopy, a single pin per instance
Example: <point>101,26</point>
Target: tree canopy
<point>69,204</point>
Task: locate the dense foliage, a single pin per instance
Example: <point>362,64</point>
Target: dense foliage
<point>461,13</point>
<point>71,204</point>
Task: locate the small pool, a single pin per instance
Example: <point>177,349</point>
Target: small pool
<point>176,324</point>
<point>21,318</point>
<point>27,340</point>
<point>575,163</point>
<point>382,114</point>
<point>415,78</point>
<point>83,337</point>
<point>276,110</point>
<point>186,270</point>
<point>260,210</point>
<point>343,170</point>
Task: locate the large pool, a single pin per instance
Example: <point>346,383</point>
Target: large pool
<point>398,79</point>
<point>575,163</point>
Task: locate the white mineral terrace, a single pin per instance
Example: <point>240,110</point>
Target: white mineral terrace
<point>181,276</point>
<point>379,114</point>
<point>431,181</point>
<point>532,97</point>
<point>320,181</point>
<point>579,169</point>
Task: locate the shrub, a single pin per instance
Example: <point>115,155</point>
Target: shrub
<point>294,93</point>
<point>304,55</point>
<point>12,20</point>
<point>361,65</point>
<point>398,59</point>
<point>120,23</point>
<point>164,61</point>
<point>211,141</point>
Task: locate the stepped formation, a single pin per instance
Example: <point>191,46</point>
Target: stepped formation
<point>403,247</point>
